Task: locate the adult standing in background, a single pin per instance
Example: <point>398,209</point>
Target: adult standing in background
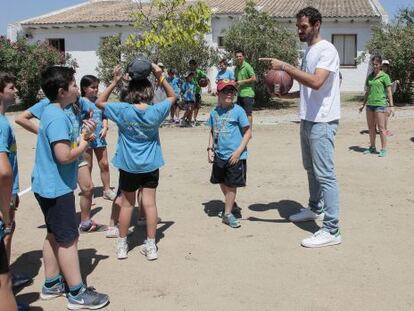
<point>245,79</point>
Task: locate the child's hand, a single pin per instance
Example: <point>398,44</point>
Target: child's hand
<point>157,71</point>
<point>360,109</point>
<point>88,129</point>
<point>210,154</point>
<point>117,73</point>
<point>235,157</point>
<point>391,111</point>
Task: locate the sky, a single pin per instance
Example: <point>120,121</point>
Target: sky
<point>17,10</point>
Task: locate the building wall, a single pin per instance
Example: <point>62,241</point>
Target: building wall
<point>82,44</point>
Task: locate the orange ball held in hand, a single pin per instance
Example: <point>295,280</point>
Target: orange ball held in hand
<point>278,82</point>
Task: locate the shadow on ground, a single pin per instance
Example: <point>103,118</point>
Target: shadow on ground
<point>213,208</point>
<point>285,208</point>
<point>357,148</point>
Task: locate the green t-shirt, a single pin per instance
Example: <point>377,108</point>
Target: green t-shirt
<point>199,74</point>
<point>244,72</point>
<point>377,86</point>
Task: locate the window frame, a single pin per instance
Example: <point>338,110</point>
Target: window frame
<point>354,64</point>
<point>59,42</point>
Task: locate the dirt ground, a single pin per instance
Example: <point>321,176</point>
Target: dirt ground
<point>205,265</point>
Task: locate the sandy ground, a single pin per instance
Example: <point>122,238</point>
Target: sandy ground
<point>205,265</point>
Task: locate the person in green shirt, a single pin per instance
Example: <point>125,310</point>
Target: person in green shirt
<point>198,75</point>
<point>245,78</point>
<point>378,86</point>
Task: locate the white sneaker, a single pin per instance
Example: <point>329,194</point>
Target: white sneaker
<point>149,250</point>
<point>122,249</point>
<point>306,214</point>
<point>322,238</point>
<point>109,195</point>
<point>112,232</point>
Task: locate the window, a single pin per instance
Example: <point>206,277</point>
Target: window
<point>58,44</point>
<point>220,42</point>
<point>347,48</point>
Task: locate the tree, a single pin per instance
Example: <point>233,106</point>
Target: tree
<point>26,61</point>
<point>392,43</point>
<point>259,35</point>
<point>164,23</point>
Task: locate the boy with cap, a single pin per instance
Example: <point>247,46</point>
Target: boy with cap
<point>227,147</point>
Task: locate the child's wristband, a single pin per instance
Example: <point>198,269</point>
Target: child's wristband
<point>162,79</point>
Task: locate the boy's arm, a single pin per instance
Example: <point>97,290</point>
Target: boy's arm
<point>24,120</point>
<point>247,134</point>
<point>6,186</point>
<point>62,148</point>
<point>103,98</point>
<point>105,128</point>
<point>210,149</point>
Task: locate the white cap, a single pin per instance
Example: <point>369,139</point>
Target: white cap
<point>385,62</point>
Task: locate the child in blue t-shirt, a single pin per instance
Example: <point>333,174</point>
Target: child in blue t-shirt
<point>9,187</point>
<point>138,156</point>
<point>188,89</point>
<point>76,112</point>
<point>89,90</point>
<point>53,181</point>
<point>176,85</point>
<point>224,73</point>
<point>229,136</point>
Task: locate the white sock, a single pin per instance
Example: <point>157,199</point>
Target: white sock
<point>150,241</point>
<point>122,240</point>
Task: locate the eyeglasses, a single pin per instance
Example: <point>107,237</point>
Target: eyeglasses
<point>228,91</point>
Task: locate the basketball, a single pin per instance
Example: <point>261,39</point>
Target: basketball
<point>203,82</point>
<point>278,82</point>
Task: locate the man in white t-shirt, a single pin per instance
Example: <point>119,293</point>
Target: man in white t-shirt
<point>319,114</point>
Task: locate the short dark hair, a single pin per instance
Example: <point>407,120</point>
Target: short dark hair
<point>192,62</point>
<point>377,58</point>
<point>139,91</point>
<point>6,78</point>
<point>54,78</point>
<point>224,61</point>
<point>239,51</point>
<point>87,81</point>
<point>310,12</point>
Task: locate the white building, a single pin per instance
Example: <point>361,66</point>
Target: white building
<point>79,29</point>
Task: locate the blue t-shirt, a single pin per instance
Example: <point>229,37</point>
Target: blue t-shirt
<point>8,145</point>
<point>188,91</point>
<point>225,74</point>
<point>175,84</point>
<point>98,116</point>
<point>227,126</point>
<point>138,148</point>
<point>84,107</point>
<point>51,179</point>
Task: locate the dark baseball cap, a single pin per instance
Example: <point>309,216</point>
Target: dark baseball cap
<point>140,68</point>
<point>223,84</point>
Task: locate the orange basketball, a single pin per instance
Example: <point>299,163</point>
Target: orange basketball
<point>278,82</point>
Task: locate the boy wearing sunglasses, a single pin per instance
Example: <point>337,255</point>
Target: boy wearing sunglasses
<point>227,147</point>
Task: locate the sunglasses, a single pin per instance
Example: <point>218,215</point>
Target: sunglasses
<point>228,91</point>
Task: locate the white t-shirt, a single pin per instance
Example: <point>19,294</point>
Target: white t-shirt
<point>321,105</point>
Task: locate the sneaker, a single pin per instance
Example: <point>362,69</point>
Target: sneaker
<point>88,298</point>
<point>122,249</point>
<point>382,153</point>
<point>109,195</point>
<point>143,221</point>
<point>322,238</point>
<point>94,227</point>
<point>55,291</point>
<point>370,150</point>
<point>20,280</point>
<point>112,232</point>
<point>231,221</point>
<point>236,211</point>
<point>306,214</point>
<point>149,250</point>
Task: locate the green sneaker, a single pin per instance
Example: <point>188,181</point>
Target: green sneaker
<point>230,220</point>
<point>370,150</point>
<point>382,153</point>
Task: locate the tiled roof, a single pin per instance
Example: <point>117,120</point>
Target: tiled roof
<point>120,11</point>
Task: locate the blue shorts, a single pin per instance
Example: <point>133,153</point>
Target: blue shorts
<point>60,217</point>
<point>377,108</point>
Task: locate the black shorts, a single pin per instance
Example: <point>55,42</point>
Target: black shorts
<point>4,263</point>
<point>233,176</point>
<point>130,182</point>
<point>60,217</point>
<point>246,103</point>
<point>197,100</point>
